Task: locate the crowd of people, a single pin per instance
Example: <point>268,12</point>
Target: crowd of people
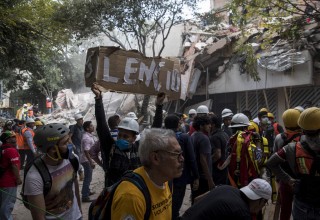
<point>234,164</point>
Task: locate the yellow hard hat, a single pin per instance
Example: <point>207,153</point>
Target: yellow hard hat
<point>290,118</point>
<point>263,110</point>
<point>38,123</point>
<point>309,119</point>
<point>270,115</point>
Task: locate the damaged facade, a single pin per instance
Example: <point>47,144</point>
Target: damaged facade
<point>288,71</point>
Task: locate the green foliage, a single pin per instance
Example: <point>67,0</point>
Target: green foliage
<point>210,19</point>
<point>249,61</point>
<point>32,47</point>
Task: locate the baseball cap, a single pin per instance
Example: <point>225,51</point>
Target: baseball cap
<point>257,189</point>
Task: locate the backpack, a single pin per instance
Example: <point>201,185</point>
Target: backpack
<point>45,175</point>
<point>285,139</point>
<point>240,162</point>
<point>100,209</point>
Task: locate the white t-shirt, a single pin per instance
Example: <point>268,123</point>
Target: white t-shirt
<point>61,199</point>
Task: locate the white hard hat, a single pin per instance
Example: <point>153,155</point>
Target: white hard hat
<point>25,105</point>
<point>30,120</point>
<point>77,117</point>
<point>202,109</point>
<point>132,115</point>
<point>226,113</point>
<point>299,108</point>
<point>129,124</point>
<point>239,120</point>
<point>192,111</point>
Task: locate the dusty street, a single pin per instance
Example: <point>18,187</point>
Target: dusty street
<point>21,213</point>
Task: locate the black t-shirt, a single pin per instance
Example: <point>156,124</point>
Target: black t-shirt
<point>201,145</point>
<point>219,140</point>
<point>222,203</point>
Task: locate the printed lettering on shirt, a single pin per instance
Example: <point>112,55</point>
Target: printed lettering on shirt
<point>162,206</point>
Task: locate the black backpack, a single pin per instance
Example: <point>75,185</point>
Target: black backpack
<point>45,175</point>
<point>100,209</point>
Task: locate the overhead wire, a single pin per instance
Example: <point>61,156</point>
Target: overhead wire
<point>30,204</point>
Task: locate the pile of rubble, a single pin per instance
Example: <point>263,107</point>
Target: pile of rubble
<point>71,104</point>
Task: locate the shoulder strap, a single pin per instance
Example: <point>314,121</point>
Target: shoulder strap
<point>75,163</point>
<point>24,130</point>
<point>287,141</point>
<point>139,182</point>
<point>44,173</point>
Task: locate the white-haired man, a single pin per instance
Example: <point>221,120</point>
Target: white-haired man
<point>162,160</point>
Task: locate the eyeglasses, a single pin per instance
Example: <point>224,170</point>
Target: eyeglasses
<point>172,153</point>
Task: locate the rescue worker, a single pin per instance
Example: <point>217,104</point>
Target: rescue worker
<point>277,128</point>
<point>292,134</point>
<point>48,105</point>
<point>248,153</point>
<point>303,159</point>
<point>201,110</point>
<point>226,116</point>
<point>17,128</point>
<point>29,146</point>
<point>24,112</point>
<point>191,114</point>
<point>38,124</point>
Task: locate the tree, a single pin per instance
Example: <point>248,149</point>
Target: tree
<point>134,24</point>
<point>33,47</point>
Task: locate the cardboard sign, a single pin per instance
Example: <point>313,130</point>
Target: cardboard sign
<point>129,71</point>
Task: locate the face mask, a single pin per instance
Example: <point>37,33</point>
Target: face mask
<point>264,121</point>
<point>122,144</point>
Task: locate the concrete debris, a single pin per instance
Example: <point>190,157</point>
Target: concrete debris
<point>66,99</point>
<point>282,61</point>
<point>71,104</point>
<point>216,46</point>
<point>200,45</point>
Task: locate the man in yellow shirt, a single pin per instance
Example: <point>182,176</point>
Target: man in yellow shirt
<point>162,160</point>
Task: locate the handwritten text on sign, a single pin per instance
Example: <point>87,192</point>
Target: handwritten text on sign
<point>129,71</point>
